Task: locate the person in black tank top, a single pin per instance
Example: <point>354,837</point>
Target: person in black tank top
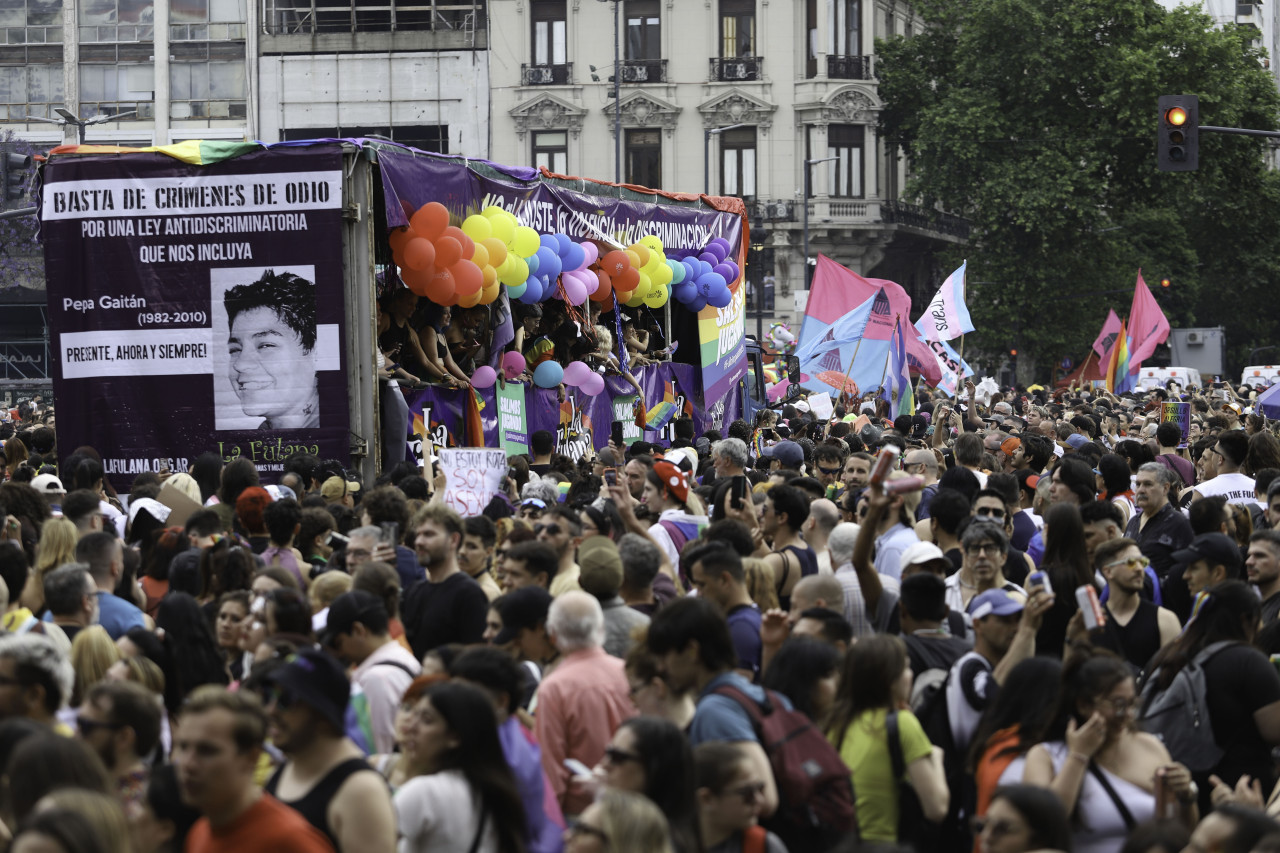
<point>326,778</point>
<point>1136,628</point>
<point>1138,640</point>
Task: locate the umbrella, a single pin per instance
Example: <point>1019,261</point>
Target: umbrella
<point>1269,402</point>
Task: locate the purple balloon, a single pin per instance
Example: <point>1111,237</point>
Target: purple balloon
<point>709,258</point>
<point>591,251</point>
<point>484,377</point>
<point>576,372</point>
<point>721,247</point>
<point>733,269</point>
<point>513,364</point>
<point>723,269</point>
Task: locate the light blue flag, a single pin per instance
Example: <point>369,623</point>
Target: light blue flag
<point>817,339</point>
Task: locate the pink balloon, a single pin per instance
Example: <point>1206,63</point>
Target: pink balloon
<point>484,377</point>
<point>576,372</point>
<point>574,290</point>
<point>513,364</point>
<point>593,385</point>
<point>593,253</point>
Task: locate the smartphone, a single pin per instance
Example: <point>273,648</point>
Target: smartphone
<point>390,533</point>
<point>576,767</point>
<point>739,491</point>
<point>1087,599</point>
<point>611,476</point>
<point>1040,579</point>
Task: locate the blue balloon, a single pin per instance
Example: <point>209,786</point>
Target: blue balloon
<point>720,297</point>
<point>549,374</point>
<point>563,242</point>
<point>685,292</point>
<point>574,257</point>
<point>548,264</point>
<point>549,241</point>
<point>532,261</point>
<point>704,268</point>
<point>710,283</point>
<point>698,304</point>
<point>691,269</point>
<point>517,290</point>
<point>533,290</point>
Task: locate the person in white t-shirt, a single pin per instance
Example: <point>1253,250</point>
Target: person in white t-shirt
<point>1229,452</point>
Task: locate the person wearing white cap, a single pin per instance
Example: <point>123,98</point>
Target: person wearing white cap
<point>50,488</point>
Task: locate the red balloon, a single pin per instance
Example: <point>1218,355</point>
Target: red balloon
<point>628,281</point>
<point>615,262</point>
<point>399,237</point>
<point>468,245</point>
<point>440,289</point>
<point>448,252</point>
<point>416,280</point>
<point>430,220</point>
<point>419,254</point>
<point>467,278</point>
<point>604,287</point>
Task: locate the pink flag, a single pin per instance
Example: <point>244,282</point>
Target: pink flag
<point>1107,337</point>
<point>1148,327</point>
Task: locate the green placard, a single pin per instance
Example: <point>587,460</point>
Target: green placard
<point>513,424</point>
<point>624,411</point>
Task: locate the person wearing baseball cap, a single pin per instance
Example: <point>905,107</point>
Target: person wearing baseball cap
<point>1004,632</point>
<point>524,624</point>
<point>1210,559</point>
<point>326,777</point>
<point>602,577</point>
<point>786,454</point>
<point>666,490</point>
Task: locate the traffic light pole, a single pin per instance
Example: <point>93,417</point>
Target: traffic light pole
<point>19,213</point>
<point>1241,131</point>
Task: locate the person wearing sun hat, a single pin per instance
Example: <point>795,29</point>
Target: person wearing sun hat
<point>666,491</point>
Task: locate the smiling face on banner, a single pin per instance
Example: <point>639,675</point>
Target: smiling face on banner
<point>271,371</point>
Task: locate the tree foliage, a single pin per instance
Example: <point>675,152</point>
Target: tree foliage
<point>1036,120</point>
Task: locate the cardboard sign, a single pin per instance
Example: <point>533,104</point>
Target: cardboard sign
<point>181,506</point>
<point>1180,414</point>
<point>473,477</point>
<point>820,405</point>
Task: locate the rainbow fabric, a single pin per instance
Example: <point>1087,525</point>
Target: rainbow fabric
<point>662,413</point>
<point>198,152</point>
<point>1119,380</point>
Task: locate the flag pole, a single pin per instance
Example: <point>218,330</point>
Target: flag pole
<point>885,373</point>
<point>1086,364</point>
<point>844,388</point>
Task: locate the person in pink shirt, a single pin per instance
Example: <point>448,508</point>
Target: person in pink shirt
<point>584,700</point>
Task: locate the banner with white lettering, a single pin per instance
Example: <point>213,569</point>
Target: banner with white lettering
<point>197,308</point>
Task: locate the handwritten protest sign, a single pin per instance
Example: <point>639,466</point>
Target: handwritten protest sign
<point>474,476</point>
<point>1180,414</point>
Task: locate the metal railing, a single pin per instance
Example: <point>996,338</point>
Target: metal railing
<point>312,17</point>
<point>644,71</point>
<point>546,75</point>
<point>773,210</point>
<point>924,218</point>
<point>849,68</point>
<point>837,208</point>
<point>736,69</point>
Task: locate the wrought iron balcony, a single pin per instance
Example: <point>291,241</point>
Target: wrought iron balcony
<point>773,210</point>
<point>320,17</point>
<point>849,67</point>
<point>924,218</point>
<point>546,75</point>
<point>644,71</point>
<point>739,69</point>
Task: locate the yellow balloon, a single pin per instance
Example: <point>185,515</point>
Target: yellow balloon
<point>497,250</point>
<point>524,241</point>
<point>642,252</point>
<point>634,258</point>
<point>477,227</point>
<point>645,285</point>
<point>491,211</point>
<point>490,276</point>
<point>636,300</point>
<point>469,301</point>
<point>651,242</point>
<point>656,299</point>
<point>490,293</point>
<point>481,256</point>
<point>662,275</point>
<point>504,227</point>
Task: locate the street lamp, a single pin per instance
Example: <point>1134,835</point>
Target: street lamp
<point>706,154</point>
<point>805,203</point>
<point>69,118</point>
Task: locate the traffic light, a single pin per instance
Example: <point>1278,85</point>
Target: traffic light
<point>13,173</point>
<point>1178,137</point>
<point>1164,282</point>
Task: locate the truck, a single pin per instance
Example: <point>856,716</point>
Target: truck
<point>216,297</point>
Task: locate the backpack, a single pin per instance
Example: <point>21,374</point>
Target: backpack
<point>1179,714</point>
<point>816,803</point>
<point>929,704</point>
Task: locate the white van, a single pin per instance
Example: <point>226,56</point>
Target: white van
<point>1158,377</point>
<point>1263,375</point>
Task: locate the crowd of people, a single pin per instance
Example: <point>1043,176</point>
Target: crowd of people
<point>1028,621</point>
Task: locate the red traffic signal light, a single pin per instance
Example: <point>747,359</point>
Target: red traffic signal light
<point>1013,352</point>
<point>1164,282</point>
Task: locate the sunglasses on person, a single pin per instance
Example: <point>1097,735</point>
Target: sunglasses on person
<point>830,471</point>
<point>551,529</point>
<point>982,548</point>
<point>989,512</point>
<point>1131,562</point>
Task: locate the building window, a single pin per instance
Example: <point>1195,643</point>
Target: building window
<point>643,30</point>
<point>551,149</point>
<point>117,88</point>
<point>738,160</point>
<point>844,36</point>
<point>550,32</point>
<point>737,28</point>
<point>644,158</point>
<point>845,143</point>
<point>30,90</point>
<point>206,90</point>
<point>425,137</point>
<point>32,21</point>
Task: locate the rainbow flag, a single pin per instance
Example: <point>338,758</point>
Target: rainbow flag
<point>662,413</point>
<point>1118,378</point>
<point>197,152</point>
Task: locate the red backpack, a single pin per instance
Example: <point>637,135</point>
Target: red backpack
<point>816,803</point>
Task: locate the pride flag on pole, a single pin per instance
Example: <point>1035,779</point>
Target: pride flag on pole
<point>946,317</point>
<point>1119,379</point>
<point>897,384</point>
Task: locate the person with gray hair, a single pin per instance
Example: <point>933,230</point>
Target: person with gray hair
<point>1158,527</point>
<point>584,699</point>
<point>729,458</point>
<point>824,515</point>
<point>39,678</point>
<point>984,546</point>
<point>869,597</point>
<point>641,561</point>
<point>72,598</point>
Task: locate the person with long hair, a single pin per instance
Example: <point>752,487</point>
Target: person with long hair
<point>876,680</point>
<point>619,822</point>
<point>164,821</point>
<point>1264,452</point>
<point>468,792</point>
<point>15,453</point>
<point>730,798</point>
<point>240,474</point>
<point>57,546</point>
<point>440,366</point>
<point>1066,562</point>
<point>92,654</point>
<point>228,627</point>
<point>225,567</point>
<point>650,756</point>
<point>1023,818</point>
<point>1103,769</point>
<point>807,671</point>
<point>58,830</point>
<point>192,647</point>
<point>102,810</point>
<point>162,547</point>
<point>1242,688</point>
<point>1115,483</point>
<point>206,470</point>
<point>1011,725</point>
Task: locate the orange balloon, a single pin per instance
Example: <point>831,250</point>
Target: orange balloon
<point>468,245</point>
<point>480,255</point>
<point>497,250</point>
<point>416,280</point>
<point>397,255</point>
<point>430,220</point>
<point>469,301</point>
<point>628,281</point>
<point>490,292</point>
<point>615,262</point>
<point>490,276</point>
<point>419,253</point>
<point>440,289</point>
<point>633,258</point>
<point>642,252</point>
<point>625,295</point>
<point>467,278</point>
<point>604,288</point>
<point>399,237</point>
<point>448,252</point>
